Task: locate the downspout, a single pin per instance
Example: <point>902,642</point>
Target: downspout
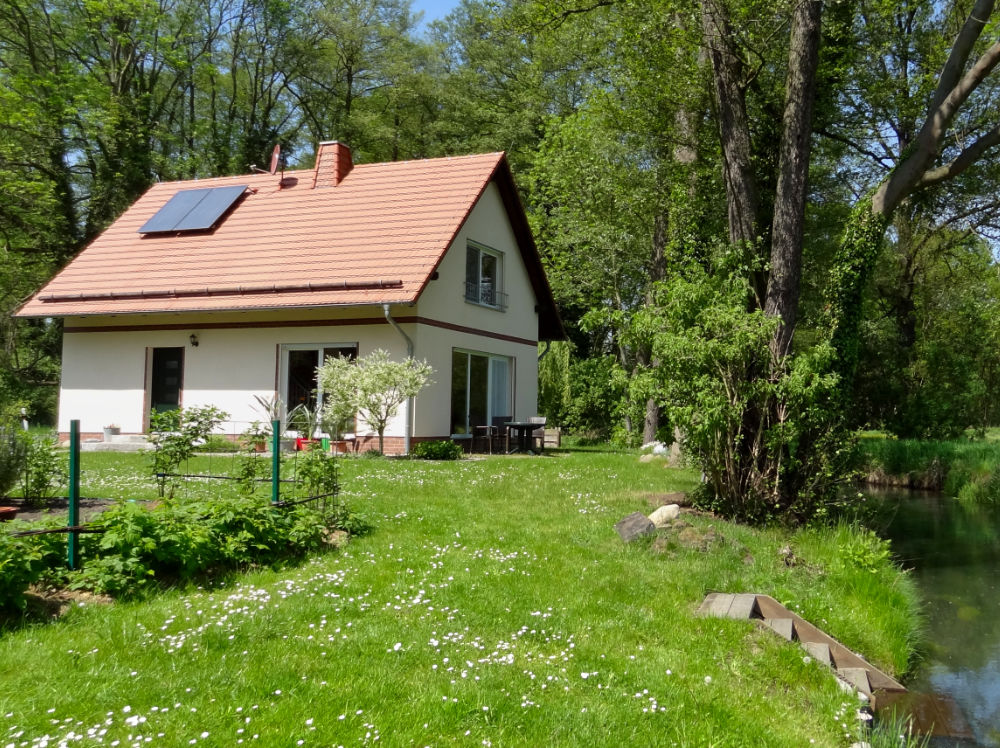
<point>408,424</point>
<point>548,344</point>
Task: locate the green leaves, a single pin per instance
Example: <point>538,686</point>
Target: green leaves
<point>174,435</point>
<point>374,386</point>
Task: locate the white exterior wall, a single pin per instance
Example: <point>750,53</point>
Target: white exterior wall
<point>104,373</point>
<point>444,300</point>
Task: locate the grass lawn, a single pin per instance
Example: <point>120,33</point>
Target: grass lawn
<point>492,604</point>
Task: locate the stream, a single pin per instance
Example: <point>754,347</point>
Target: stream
<point>953,550</point>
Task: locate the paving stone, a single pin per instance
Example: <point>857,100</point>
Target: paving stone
<point>744,606</point>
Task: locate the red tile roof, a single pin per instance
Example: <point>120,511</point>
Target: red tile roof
<point>375,237</point>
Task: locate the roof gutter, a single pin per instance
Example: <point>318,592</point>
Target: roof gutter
<point>408,424</point>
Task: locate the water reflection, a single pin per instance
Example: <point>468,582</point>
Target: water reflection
<point>953,549</point>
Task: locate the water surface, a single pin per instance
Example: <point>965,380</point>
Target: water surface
<point>953,549</point>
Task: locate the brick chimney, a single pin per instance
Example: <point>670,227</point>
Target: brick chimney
<point>333,163</point>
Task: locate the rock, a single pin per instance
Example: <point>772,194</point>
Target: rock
<point>659,449</point>
<point>664,515</point>
<point>648,458</point>
<point>699,540</point>
<point>634,526</point>
<point>659,499</point>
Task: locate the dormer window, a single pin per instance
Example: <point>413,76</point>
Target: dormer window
<point>484,277</point>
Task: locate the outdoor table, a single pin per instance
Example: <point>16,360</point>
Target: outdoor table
<point>523,429</point>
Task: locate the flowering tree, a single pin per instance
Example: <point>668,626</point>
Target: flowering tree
<point>382,385</point>
<point>338,378</point>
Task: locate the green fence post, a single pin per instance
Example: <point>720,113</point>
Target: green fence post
<point>275,461</point>
<point>74,493</point>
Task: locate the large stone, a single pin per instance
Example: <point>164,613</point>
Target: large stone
<point>648,457</point>
<point>664,515</point>
<point>634,526</point>
<point>699,540</point>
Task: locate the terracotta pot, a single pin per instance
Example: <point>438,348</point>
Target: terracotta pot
<point>7,512</point>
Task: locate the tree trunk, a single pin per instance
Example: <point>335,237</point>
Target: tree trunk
<point>742,199</point>
<point>793,171</point>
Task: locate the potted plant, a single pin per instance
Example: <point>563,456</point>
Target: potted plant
<point>256,437</point>
<point>306,421</point>
<point>113,430</point>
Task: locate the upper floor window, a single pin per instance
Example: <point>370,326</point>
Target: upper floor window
<point>484,277</point>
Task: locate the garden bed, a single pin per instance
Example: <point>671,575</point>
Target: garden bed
<point>41,509</point>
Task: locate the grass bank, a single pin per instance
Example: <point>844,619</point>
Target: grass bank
<point>492,605</point>
<point>962,468</point>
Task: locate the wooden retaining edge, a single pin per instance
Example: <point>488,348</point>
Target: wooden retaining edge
<point>930,714</point>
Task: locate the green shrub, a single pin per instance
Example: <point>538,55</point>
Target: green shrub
<point>250,469</point>
<point>866,551</point>
<point>318,472</point>
<point>175,434</point>
<point>12,456</point>
<point>439,450</point>
<point>43,469</point>
<point>24,560</point>
<point>176,541</point>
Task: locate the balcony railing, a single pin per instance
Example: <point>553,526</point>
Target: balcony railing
<point>482,293</point>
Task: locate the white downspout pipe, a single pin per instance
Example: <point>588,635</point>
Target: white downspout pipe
<point>408,423</point>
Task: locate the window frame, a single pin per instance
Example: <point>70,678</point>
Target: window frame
<point>511,362</point>
<point>474,286</point>
<point>283,366</point>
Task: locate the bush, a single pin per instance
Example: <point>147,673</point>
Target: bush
<point>173,541</point>
<point>12,457</point>
<point>175,434</point>
<point>23,561</point>
<point>318,472</point>
<point>43,470</point>
<point>439,450</point>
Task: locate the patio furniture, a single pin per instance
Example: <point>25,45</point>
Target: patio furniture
<point>501,432</point>
<point>522,435</point>
<point>538,434</point>
<point>487,434</point>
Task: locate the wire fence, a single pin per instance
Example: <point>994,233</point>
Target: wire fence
<point>74,527</point>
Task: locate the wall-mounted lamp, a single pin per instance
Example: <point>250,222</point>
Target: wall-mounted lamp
<point>194,340</point>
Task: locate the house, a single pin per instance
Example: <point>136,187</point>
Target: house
<point>213,291</point>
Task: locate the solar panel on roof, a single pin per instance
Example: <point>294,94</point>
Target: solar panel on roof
<point>193,210</point>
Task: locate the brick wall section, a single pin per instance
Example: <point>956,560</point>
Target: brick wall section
<point>333,163</point>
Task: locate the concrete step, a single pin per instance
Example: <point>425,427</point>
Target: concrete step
<point>784,627</point>
<point>857,678</point>
<point>819,652</point>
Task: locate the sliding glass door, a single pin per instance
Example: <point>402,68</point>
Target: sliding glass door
<point>480,390</point>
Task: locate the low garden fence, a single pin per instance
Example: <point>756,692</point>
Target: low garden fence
<point>249,531</point>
